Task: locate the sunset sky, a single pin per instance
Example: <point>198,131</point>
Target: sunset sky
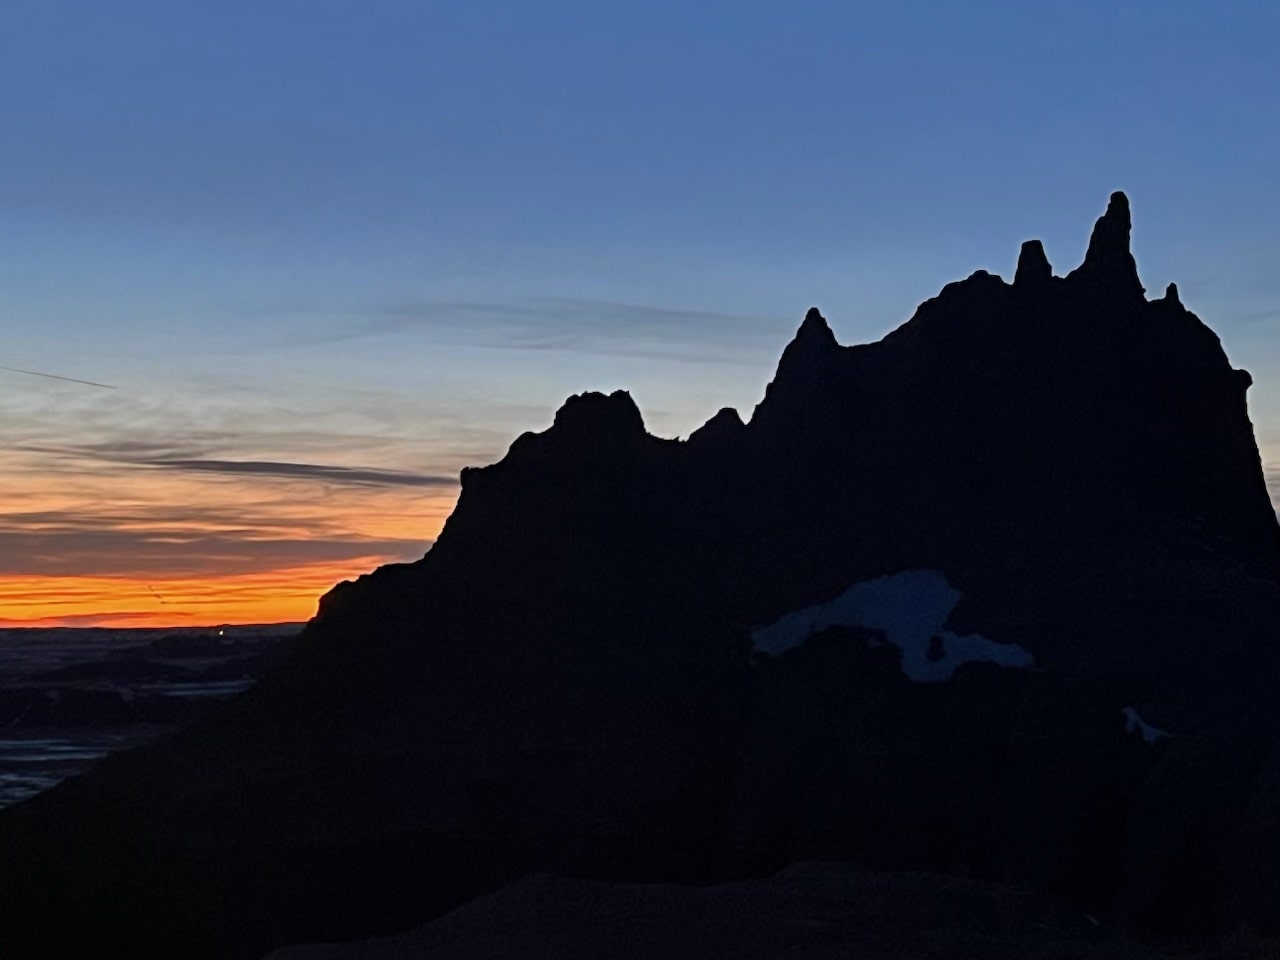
<point>313,257</point>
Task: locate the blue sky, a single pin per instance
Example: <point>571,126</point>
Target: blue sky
<point>394,235</point>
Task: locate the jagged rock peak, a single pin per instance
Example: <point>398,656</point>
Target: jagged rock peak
<point>1108,260</point>
<point>596,414</point>
<point>1111,232</point>
<point>1033,265</point>
<point>815,328</point>
<point>726,416</point>
<point>814,337</point>
<point>1171,294</point>
<point>725,425</point>
<point>812,350</point>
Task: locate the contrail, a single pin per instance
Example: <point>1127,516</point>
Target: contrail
<point>54,376</point>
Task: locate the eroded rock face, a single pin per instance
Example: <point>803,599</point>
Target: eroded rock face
<point>567,681</point>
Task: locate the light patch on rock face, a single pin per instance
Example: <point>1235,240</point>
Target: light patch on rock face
<point>910,609</point>
<point>1133,723</point>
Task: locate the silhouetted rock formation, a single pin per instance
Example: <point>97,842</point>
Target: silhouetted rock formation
<point>1108,264</point>
<point>724,428</point>
<point>1033,268</point>
<point>995,595</point>
<point>818,911</point>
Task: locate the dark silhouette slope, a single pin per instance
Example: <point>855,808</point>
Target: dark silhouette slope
<point>567,682</point>
<point>807,912</point>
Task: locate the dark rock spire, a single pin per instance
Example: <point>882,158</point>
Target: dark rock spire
<point>1033,265</point>
<point>1108,262</point>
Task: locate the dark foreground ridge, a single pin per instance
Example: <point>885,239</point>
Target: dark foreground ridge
<point>820,911</point>
<point>994,597</point>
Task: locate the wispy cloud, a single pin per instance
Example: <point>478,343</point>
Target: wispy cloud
<point>307,471</point>
<point>89,525</point>
<point>70,551</point>
<point>567,324</point>
<point>163,457</point>
<point>117,618</point>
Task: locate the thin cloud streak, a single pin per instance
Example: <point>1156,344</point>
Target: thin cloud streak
<point>121,618</point>
<point>72,552</point>
<point>55,376</point>
<point>305,471</point>
<point>135,454</point>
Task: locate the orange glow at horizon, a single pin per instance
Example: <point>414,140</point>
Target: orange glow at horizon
<point>154,549</point>
<point>275,596</point>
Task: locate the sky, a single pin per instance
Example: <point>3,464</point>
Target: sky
<point>313,257</point>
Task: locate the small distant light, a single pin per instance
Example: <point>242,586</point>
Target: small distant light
<point>220,632</point>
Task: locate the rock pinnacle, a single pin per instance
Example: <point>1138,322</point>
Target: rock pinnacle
<point>1033,265</point>
<point>1108,261</point>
